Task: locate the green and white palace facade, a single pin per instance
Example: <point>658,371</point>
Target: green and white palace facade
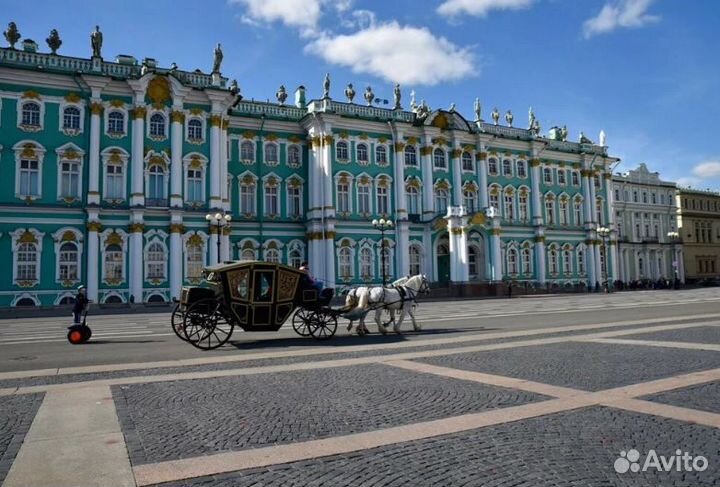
<point>108,170</point>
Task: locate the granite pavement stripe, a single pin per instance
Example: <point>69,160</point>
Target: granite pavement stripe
<point>704,418</point>
<point>653,343</point>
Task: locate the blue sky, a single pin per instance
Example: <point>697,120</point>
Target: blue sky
<point>644,71</point>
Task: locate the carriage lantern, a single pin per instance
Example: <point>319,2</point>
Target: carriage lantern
<point>383,225</point>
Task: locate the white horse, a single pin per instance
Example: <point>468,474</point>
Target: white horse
<point>400,298</point>
<point>355,313</point>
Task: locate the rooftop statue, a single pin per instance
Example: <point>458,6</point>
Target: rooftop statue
<point>509,118</point>
<point>603,139</point>
<point>54,42</point>
<point>495,115</point>
<point>96,41</point>
<point>217,60</point>
<point>326,86</point>
<point>369,95</point>
<point>564,133</point>
<point>531,119</point>
<point>423,110</point>
<point>452,107</point>
<point>396,96</point>
<point>583,139</point>
<point>478,109</point>
<point>413,105</point>
<point>281,95</point>
<point>173,67</point>
<point>350,92</point>
<point>12,34</point>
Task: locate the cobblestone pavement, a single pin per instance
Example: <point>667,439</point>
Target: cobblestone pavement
<point>451,409</point>
<point>705,397</point>
<point>703,334</point>
<point>16,416</point>
<point>252,411</point>
<point>587,366</point>
<point>563,450</point>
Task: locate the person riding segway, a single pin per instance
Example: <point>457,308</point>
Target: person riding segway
<point>79,332</point>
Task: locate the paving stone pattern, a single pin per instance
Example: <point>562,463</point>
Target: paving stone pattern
<point>587,366</point>
<point>16,416</point>
<point>705,397</point>
<point>573,449</point>
<point>701,334</point>
<point>166,421</point>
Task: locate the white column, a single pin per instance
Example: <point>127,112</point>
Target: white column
<point>175,260</point>
<point>457,199</point>
<point>212,248</point>
<point>215,199</point>
<point>399,185</point>
<point>92,265</point>
<point>614,269</point>
<point>224,165</point>
<point>329,253</point>
<point>481,166</point>
<point>136,261</point>
<point>591,266</point>
<point>609,200</point>
<point>598,263</point>
<point>225,244</point>
<point>176,169</point>
<point>427,177</point>
<point>96,109</point>
<point>137,196</point>
<point>537,208</point>
<point>458,249</point>
<point>681,266</point>
<point>540,260</point>
<point>593,200</point>
<point>496,251</point>
<point>587,196</point>
<point>402,248</point>
<point>326,175</point>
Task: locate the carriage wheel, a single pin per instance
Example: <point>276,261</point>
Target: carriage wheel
<point>205,325</point>
<point>302,322</point>
<point>177,319</point>
<point>323,326</point>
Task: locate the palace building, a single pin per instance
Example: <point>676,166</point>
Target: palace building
<point>699,229</point>
<point>109,168</point>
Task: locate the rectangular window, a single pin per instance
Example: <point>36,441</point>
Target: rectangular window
<point>364,199</point>
<point>247,199</point>
<point>343,198</point>
<point>561,176</point>
<point>509,206</point>
<point>575,178</point>
<point>382,200</point>
<point>29,178</point>
<point>295,200</point>
<point>413,201</point>
<point>70,180</point>
<point>114,182</point>
<point>194,185</point>
<point>563,213</point>
<point>521,169</point>
<point>523,207</point>
<point>550,212</point>
<point>271,200</point>
<point>547,175</point>
<point>578,213</point>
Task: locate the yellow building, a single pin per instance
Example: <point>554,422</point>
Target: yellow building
<point>699,229</point>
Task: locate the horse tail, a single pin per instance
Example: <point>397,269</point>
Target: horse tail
<point>351,300</point>
<point>364,300</point>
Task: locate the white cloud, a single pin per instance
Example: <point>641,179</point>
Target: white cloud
<point>303,14</point>
<point>402,54</point>
<point>708,169</point>
<point>619,13</point>
<point>479,8</point>
<point>685,182</point>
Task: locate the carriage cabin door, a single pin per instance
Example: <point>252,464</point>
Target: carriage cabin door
<point>443,261</point>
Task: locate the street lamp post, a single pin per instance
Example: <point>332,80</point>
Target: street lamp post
<point>383,225</point>
<point>604,234</point>
<point>674,238</point>
<point>218,221</point>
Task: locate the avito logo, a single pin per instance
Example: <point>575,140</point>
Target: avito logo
<point>680,462</point>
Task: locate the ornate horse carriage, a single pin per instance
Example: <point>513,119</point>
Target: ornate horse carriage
<point>255,296</point>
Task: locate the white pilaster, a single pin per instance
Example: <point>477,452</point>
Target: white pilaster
<point>212,248</point>
<point>496,253</point>
<point>215,198</point>
<point>96,109</point>
<point>481,167</point>
<point>92,264</point>
<point>137,196</point>
<point>591,266</point>
<point>455,153</point>
<point>540,261</point>
<point>136,263</point>
<point>176,253</point>
<point>399,176</point>
<point>402,248</point>
<point>535,195</point>
<point>176,169</point>
<point>459,271</point>
<point>427,177</point>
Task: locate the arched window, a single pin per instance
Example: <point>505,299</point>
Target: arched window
<point>345,263</point>
<point>343,197</point>
<point>473,262</point>
<point>341,151</point>
<point>113,262</point>
<point>114,180</point>
<point>564,213</point>
<point>526,259</point>
<point>467,162</point>
<point>156,298</point>
<point>523,206</point>
<point>363,198</point>
<point>29,177</point>
<point>577,210</point>
<point>247,151</point>
<point>512,261</point>
<point>156,184</point>
<point>116,123</point>
<point>410,156</point>
<point>381,155</point>
<point>509,205</point>
<point>69,179</point>
<point>294,156</point>
<point>247,254</point>
<point>414,260</point>
<point>547,175</point>
<point>441,200</point>
<point>195,132</point>
<point>553,261</point>
<point>295,258</point>
<point>272,255</point>
<point>155,261</point>
<point>383,205</point>
<point>550,211</point>
<point>520,168</point>
<point>27,262</point>
<point>439,159</point>
<point>67,300</point>
<point>113,299</point>
<point>413,200</point>
<point>366,267</point>
<point>68,262</point>
<point>581,261</point>
<point>71,118</point>
<point>271,200</point>
<point>31,114</point>
<point>470,199</point>
<point>362,153</point>
<point>567,261</point>
<point>194,260</point>
<point>157,125</point>
<point>25,302</point>
<point>271,154</point>
<point>492,167</point>
<point>194,185</point>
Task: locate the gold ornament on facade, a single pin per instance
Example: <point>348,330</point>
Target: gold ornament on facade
<point>294,182</point>
<point>363,136</point>
<point>315,141</point>
<point>440,224</point>
<point>345,243</point>
<point>426,150</point>
<point>585,173</point>
<point>136,228</point>
<point>117,103</point>
<point>550,197</point>
<point>177,116</point>
<point>441,121</point>
<point>96,108</point>
<point>114,239</point>
<point>93,226</point>
<point>215,120</point>
<point>72,97</point>
<point>478,219</point>
<point>399,146</point>
<point>411,140</point>
<point>28,237</point>
<point>195,240</point>
<point>271,182</point>
<point>271,137</point>
<point>157,161</point>
<point>496,231</point>
<point>196,111</point>
<point>248,134</point>
<point>177,228</point>
<point>456,153</point>
<point>27,283</point>
<point>382,139</point>
<point>383,182</point>
<point>115,156</point>
<point>196,162</point>
<point>112,281</point>
<point>68,283</point>
<point>534,162</point>
<point>413,183</point>
<point>439,141</point>
<point>213,231</point>
<point>69,200</point>
<point>158,90</point>
<point>607,175</point>
<point>225,123</point>
<point>226,230</point>
<point>71,155</point>
<point>468,148</point>
<point>343,179</point>
<point>364,180</point>
<point>328,139</point>
<point>481,155</point>
<point>539,239</point>
<point>330,235</point>
<point>294,139</point>
<point>247,179</point>
<point>442,185</point>
<point>139,112</point>
<point>31,94</point>
<point>457,231</point>
<point>28,151</point>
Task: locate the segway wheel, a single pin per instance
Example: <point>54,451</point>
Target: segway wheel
<point>76,336</point>
<point>87,333</point>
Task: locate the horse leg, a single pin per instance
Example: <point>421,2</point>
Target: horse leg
<point>411,312</point>
<point>350,326</point>
<point>396,328</point>
<point>378,314</point>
